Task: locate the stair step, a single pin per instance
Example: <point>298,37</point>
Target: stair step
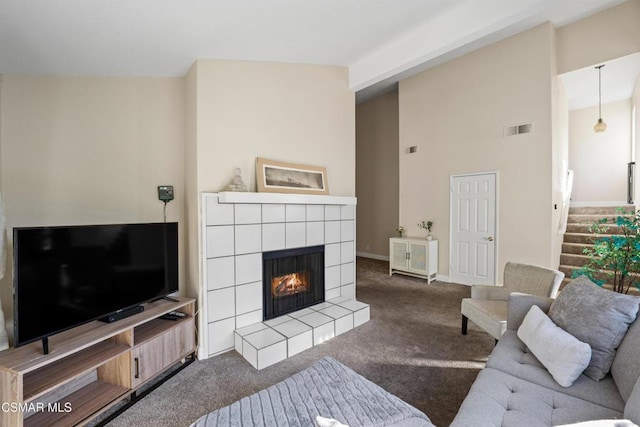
<point>574,260</point>
<point>586,229</point>
<point>575,248</point>
<point>591,219</point>
<point>581,238</point>
<point>605,210</point>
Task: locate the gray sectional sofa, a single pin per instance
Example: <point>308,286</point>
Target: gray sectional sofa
<point>515,389</point>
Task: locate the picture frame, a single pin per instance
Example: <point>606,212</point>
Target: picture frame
<point>280,177</point>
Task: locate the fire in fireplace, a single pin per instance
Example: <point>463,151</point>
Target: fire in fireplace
<point>290,284</point>
<point>292,279</point>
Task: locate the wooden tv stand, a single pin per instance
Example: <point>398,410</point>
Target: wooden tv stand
<point>92,367</point>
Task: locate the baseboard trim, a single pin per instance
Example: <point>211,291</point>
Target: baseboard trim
<point>443,278</point>
<point>372,256</point>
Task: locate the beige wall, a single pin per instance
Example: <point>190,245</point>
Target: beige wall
<point>240,110</point>
<point>90,150</point>
<point>377,138</point>
<point>559,156</point>
<point>610,34</point>
<point>456,114</point>
<point>288,112</point>
<point>599,160</point>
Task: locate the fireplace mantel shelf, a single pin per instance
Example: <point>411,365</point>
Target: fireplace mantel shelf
<point>281,198</point>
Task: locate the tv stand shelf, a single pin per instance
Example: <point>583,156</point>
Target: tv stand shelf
<point>92,367</point>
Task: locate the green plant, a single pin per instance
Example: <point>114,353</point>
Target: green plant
<point>426,225</point>
<point>400,230</point>
<point>614,259</point>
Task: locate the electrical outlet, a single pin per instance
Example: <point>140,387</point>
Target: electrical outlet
<point>165,193</point>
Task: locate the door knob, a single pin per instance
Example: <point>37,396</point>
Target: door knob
<point>489,238</point>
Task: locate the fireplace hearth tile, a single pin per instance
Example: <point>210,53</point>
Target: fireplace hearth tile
<point>299,343</point>
<point>346,273</point>
<point>315,233</point>
<point>296,235</point>
<point>250,318</point>
<point>292,328</point>
<point>248,239</point>
<point>343,318</point>
<point>347,212</point>
<point>323,326</point>
<point>295,213</point>
<point>332,255</point>
<point>265,343</point>
<point>300,313</point>
<point>315,213</point>
<point>273,237</point>
<point>239,334</point>
<point>346,230</point>
<point>272,213</point>
<point>264,347</point>
<point>315,319</point>
<point>220,272</point>
<point>248,214</point>
<point>322,306</point>
<point>331,212</point>
<point>331,277</point>
<point>248,268</point>
<point>332,293</point>
<point>264,338</point>
<point>332,232</point>
<point>346,251</point>
<point>278,320</point>
<point>361,317</point>
<point>337,300</point>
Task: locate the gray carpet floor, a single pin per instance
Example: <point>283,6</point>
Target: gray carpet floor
<point>412,347</point>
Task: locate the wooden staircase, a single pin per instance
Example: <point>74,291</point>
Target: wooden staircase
<point>578,236</point>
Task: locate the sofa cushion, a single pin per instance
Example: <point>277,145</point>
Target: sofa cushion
<point>500,399</point>
<point>632,408</point>
<point>625,369</point>
<point>564,356</point>
<point>596,316</point>
<point>513,357</point>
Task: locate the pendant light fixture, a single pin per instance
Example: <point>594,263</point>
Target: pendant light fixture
<point>600,126</point>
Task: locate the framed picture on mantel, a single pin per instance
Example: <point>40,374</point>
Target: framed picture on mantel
<point>280,177</point>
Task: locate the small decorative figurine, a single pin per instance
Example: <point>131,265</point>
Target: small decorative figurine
<point>237,184</point>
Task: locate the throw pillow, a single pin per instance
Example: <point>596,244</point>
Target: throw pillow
<point>564,356</point>
<point>602,423</point>
<point>328,422</point>
<point>597,316</point>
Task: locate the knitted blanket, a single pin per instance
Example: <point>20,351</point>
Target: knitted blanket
<point>328,389</point>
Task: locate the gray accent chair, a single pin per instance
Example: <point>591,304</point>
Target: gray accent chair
<point>487,306</point>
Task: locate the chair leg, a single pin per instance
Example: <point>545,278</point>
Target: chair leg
<point>465,323</point>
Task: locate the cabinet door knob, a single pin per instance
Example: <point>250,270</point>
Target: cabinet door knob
<point>489,238</point>
<point>136,361</point>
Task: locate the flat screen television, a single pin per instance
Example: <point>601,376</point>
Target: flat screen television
<point>66,276</point>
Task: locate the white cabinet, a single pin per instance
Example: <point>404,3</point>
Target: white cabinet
<point>413,257</point>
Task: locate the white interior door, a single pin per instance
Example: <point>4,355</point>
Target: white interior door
<point>473,226</point>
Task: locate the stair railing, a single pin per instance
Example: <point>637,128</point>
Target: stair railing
<point>566,200</point>
<point>630,180</point>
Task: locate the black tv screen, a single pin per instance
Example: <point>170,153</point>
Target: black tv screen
<point>69,275</point>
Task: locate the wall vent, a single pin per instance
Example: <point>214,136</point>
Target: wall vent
<point>518,129</point>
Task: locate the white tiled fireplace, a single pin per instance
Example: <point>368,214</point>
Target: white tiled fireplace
<point>238,227</point>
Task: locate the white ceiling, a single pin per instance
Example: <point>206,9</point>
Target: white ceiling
<point>379,40</point>
<point>618,81</point>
